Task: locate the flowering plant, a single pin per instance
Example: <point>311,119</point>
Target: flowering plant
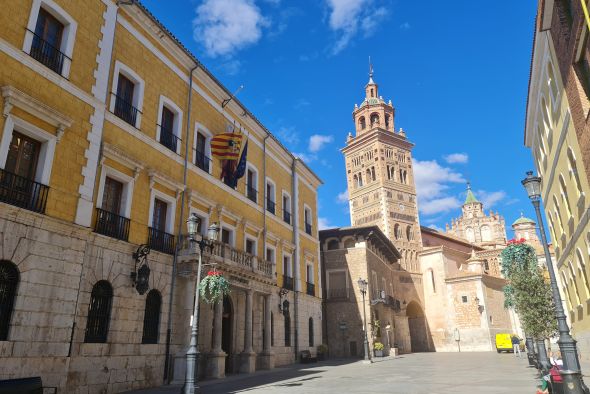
<point>378,346</point>
<point>213,287</point>
<point>516,241</point>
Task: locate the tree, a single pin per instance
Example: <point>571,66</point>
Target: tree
<point>528,291</point>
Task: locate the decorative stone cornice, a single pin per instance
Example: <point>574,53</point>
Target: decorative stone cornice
<point>164,180</point>
<point>116,154</point>
<point>15,98</point>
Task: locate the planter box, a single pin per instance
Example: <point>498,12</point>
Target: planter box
<point>378,353</point>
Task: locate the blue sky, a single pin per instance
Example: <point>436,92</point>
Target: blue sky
<point>457,73</point>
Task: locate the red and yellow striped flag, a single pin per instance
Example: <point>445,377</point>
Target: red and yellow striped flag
<point>226,146</point>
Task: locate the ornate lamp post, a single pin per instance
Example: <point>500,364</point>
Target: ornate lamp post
<point>363,288</point>
<point>192,354</point>
<point>571,372</point>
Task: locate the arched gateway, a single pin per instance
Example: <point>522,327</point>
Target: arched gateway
<point>417,326</point>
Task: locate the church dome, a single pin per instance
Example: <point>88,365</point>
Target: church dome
<point>523,220</point>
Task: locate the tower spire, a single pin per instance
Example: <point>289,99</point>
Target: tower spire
<point>371,82</point>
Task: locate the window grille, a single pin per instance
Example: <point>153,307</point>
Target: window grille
<point>151,318</point>
<point>9,278</point>
<point>99,312</point>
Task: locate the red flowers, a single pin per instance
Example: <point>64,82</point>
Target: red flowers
<point>213,273</point>
<point>516,241</point>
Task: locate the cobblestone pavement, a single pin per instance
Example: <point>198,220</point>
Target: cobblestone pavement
<point>427,373</point>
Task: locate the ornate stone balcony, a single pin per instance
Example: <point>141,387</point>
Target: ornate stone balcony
<point>228,259</point>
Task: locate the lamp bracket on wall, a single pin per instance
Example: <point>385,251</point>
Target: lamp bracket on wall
<point>140,276</point>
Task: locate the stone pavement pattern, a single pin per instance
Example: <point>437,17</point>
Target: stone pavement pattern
<point>420,373</point>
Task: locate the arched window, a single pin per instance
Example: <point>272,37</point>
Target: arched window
<point>360,180</point>
<point>355,181</point>
<point>582,272</point>
<point>374,119</point>
<point>373,177</point>
<point>547,123</point>
<point>387,121</point>
<point>573,283</point>
<point>349,243</point>
<point>287,329</point>
<point>368,175</point>
<point>486,265</point>
<point>431,274</point>
<point>574,169</point>
<point>151,317</point>
<point>9,278</point>
<point>362,123</point>
<point>409,234</point>
<point>396,231</point>
<point>566,291</point>
<point>333,244</point>
<point>99,313</point>
<point>388,172</point>
<point>564,196</point>
<point>310,332</point>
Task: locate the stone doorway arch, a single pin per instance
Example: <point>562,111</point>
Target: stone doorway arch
<point>417,327</point>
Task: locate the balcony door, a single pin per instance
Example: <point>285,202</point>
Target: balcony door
<point>49,29</point>
<point>167,137</point>
<point>124,100</point>
<point>23,155</point>
<point>159,217</point>
<point>112,195</point>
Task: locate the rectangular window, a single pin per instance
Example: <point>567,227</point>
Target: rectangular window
<point>251,185</point>
<point>250,246</point>
<point>270,197</point>
<point>23,154</point>
<point>337,285</point>
<point>111,198</point>
<point>201,159</point>
<point>159,218</point>
<point>167,136</point>
<point>124,108</point>
<point>287,208</point>
<point>287,273</point>
<point>226,236</point>
<point>47,39</point>
<point>307,218</point>
<point>464,299</point>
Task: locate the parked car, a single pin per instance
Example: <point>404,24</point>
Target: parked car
<point>504,343</point>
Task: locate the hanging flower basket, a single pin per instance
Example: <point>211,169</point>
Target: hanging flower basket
<point>213,287</point>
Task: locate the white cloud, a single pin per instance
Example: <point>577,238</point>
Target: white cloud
<point>347,17</point>
<point>288,135</point>
<point>457,158</point>
<point>306,157</point>
<point>324,223</point>
<point>226,26</point>
<point>432,178</point>
<point>489,199</point>
<point>438,205</point>
<point>342,198</point>
<point>317,142</point>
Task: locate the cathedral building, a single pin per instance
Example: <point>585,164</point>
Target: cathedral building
<point>476,227</point>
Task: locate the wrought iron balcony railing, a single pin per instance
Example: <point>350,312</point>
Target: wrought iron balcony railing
<point>270,206</point>
<point>287,217</point>
<point>310,289</point>
<point>224,254</point>
<point>252,193</point>
<point>168,139</point>
<point>111,224</point>
<point>202,161</point>
<point>160,240</point>
<point>23,192</point>
<point>287,282</point>
<point>47,54</point>
<point>125,110</point>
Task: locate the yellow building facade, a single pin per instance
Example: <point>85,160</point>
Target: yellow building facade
<point>550,134</point>
<point>105,145</point>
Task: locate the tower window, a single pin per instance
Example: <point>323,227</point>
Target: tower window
<point>362,123</point>
<point>372,94</point>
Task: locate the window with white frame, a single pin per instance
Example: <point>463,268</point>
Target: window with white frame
<point>168,129</point>
<point>270,192</point>
<point>252,183</point>
<point>50,36</point>
<point>270,254</point>
<point>310,284</point>
<point>287,265</point>
<point>286,207</point>
<point>202,149</point>
<point>127,94</point>
<point>161,222</point>
<point>251,245</point>
<point>307,219</point>
<point>113,203</point>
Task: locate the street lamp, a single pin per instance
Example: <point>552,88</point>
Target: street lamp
<point>363,288</point>
<point>192,354</point>
<point>572,375</point>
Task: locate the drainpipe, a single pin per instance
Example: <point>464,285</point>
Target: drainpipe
<point>264,202</point>
<point>180,221</point>
<point>295,210</point>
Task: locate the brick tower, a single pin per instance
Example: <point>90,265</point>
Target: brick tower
<point>380,178</point>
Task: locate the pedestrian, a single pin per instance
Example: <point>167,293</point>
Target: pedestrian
<point>555,359</point>
<point>516,346</point>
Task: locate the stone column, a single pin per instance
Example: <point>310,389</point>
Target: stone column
<point>248,359</point>
<point>267,354</point>
<point>216,358</point>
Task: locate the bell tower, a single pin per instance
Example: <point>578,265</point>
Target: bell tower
<point>380,177</point>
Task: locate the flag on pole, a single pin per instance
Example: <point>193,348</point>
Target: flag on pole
<point>239,170</point>
<point>226,146</point>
